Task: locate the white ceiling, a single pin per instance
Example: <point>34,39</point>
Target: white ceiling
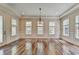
<point>48,9</point>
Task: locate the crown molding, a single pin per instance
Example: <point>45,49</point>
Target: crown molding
<point>9,10</point>
<point>70,10</point>
<point>43,17</point>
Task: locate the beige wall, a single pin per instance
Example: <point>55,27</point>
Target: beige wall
<point>34,30</point>
<point>71,37</point>
<point>21,27</point>
<point>7,26</point>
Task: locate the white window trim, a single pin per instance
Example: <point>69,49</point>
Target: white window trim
<point>28,26</point>
<point>53,26</point>
<point>77,17</point>
<point>13,26</point>
<point>40,26</point>
<point>66,25</point>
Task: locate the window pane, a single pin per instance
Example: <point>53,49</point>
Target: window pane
<point>28,30</point>
<point>77,19</point>
<point>40,23</point>
<point>51,23</point>
<point>28,27</point>
<point>66,30</point>
<point>66,22</point>
<point>40,27</point>
<point>40,30</point>
<point>66,27</point>
<point>51,27</point>
<point>1,29</point>
<point>13,21</point>
<point>77,30</point>
<point>77,33</point>
<point>51,30</point>
<point>28,23</point>
<point>77,27</point>
<point>14,25</point>
<point>13,30</point>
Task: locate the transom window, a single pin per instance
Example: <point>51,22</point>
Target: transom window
<point>40,28</point>
<point>28,27</point>
<point>77,27</point>
<point>66,27</point>
<point>14,26</point>
<point>51,27</point>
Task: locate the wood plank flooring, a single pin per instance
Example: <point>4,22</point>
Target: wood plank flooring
<point>39,46</point>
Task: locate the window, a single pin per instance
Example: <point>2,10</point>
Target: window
<point>51,28</point>
<point>14,50</point>
<point>66,27</point>
<point>28,28</point>
<point>1,29</point>
<point>14,26</point>
<point>40,27</point>
<point>77,27</point>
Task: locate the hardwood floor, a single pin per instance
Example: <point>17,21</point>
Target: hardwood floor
<point>39,46</point>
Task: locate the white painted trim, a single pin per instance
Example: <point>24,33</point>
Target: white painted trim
<point>71,10</point>
<point>43,17</point>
